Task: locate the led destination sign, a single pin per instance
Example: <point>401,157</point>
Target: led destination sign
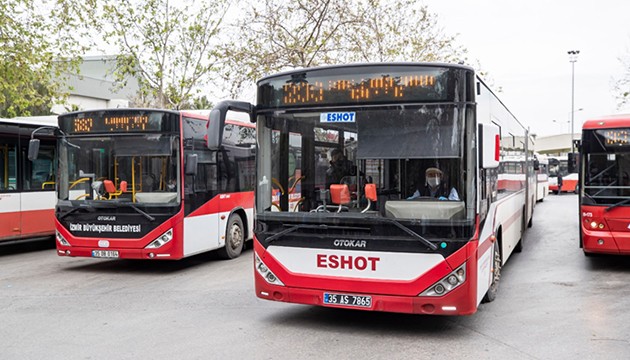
<point>615,137</point>
<point>338,86</point>
<point>111,124</point>
<point>114,122</point>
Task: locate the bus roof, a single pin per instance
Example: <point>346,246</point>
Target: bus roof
<point>608,122</point>
<point>355,65</point>
<point>120,110</point>
<point>49,120</point>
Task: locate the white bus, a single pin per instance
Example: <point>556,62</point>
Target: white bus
<point>363,239</point>
<point>27,189</point>
<point>564,166</point>
<point>541,167</point>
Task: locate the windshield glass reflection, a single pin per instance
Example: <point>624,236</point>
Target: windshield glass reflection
<point>135,169</point>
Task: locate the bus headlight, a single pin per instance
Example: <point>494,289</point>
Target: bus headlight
<point>594,224</point>
<point>447,283</point>
<point>161,240</point>
<point>61,239</point>
<point>264,271</point>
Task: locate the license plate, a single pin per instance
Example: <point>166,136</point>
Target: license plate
<point>105,253</point>
<point>348,300</point>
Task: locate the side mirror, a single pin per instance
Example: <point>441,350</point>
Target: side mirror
<point>489,145</point>
<point>191,164</point>
<point>214,131</point>
<point>33,149</point>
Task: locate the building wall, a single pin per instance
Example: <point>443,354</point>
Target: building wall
<point>95,88</point>
<point>555,144</point>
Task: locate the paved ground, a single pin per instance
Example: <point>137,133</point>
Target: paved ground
<point>553,304</point>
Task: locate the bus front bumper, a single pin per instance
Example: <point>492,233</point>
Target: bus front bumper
<point>454,303</point>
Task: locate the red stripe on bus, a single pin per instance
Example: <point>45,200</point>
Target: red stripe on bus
<point>225,203</point>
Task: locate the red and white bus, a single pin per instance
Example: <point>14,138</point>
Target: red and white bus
<point>541,168</point>
<point>605,185</point>
<point>27,189</point>
<point>361,238</point>
<point>154,184</point>
<point>565,166</point>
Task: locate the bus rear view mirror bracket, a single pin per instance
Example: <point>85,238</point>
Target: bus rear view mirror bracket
<point>33,144</point>
<point>214,133</point>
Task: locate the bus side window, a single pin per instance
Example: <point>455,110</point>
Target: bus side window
<point>8,168</point>
<point>39,174</point>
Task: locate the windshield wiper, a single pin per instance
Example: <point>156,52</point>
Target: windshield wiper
<point>84,207</point>
<point>402,227</point>
<point>149,217</point>
<point>305,226</point>
<point>589,196</point>
<point>622,202</point>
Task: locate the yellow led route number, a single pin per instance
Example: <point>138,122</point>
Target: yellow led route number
<point>357,85</point>
<point>616,137</point>
<point>365,89</point>
<point>113,123</point>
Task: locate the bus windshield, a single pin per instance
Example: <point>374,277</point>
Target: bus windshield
<point>607,177</point>
<point>558,167</point>
<point>141,169</point>
<point>413,155</point>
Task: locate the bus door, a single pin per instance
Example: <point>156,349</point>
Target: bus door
<point>201,189</point>
<point>9,194</point>
<point>38,197</point>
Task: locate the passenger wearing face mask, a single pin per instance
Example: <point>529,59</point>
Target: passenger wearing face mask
<point>434,187</point>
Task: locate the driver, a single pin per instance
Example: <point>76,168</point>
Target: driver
<point>434,187</point>
<point>339,167</point>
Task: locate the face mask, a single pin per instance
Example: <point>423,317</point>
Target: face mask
<point>434,181</point>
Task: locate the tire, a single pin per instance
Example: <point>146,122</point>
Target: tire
<point>234,238</point>
<point>519,245</point>
<point>491,294</point>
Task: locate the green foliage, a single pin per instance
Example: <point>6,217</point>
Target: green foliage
<point>35,36</point>
<point>167,46</point>
<point>201,103</point>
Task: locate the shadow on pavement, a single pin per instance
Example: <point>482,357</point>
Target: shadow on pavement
<point>26,246</point>
<point>157,267</point>
<point>614,263</point>
<point>366,322</point>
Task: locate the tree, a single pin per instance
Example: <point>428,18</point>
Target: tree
<point>398,30</point>
<point>167,46</point>
<point>275,35</point>
<point>39,42</point>
<point>622,85</point>
<point>201,103</point>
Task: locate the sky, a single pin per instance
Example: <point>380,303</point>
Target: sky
<point>523,46</point>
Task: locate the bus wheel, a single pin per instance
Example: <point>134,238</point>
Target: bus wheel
<point>496,276</point>
<point>234,238</point>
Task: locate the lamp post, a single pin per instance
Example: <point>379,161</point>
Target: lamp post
<point>573,55</point>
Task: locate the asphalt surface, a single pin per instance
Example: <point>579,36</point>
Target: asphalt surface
<point>553,303</point>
